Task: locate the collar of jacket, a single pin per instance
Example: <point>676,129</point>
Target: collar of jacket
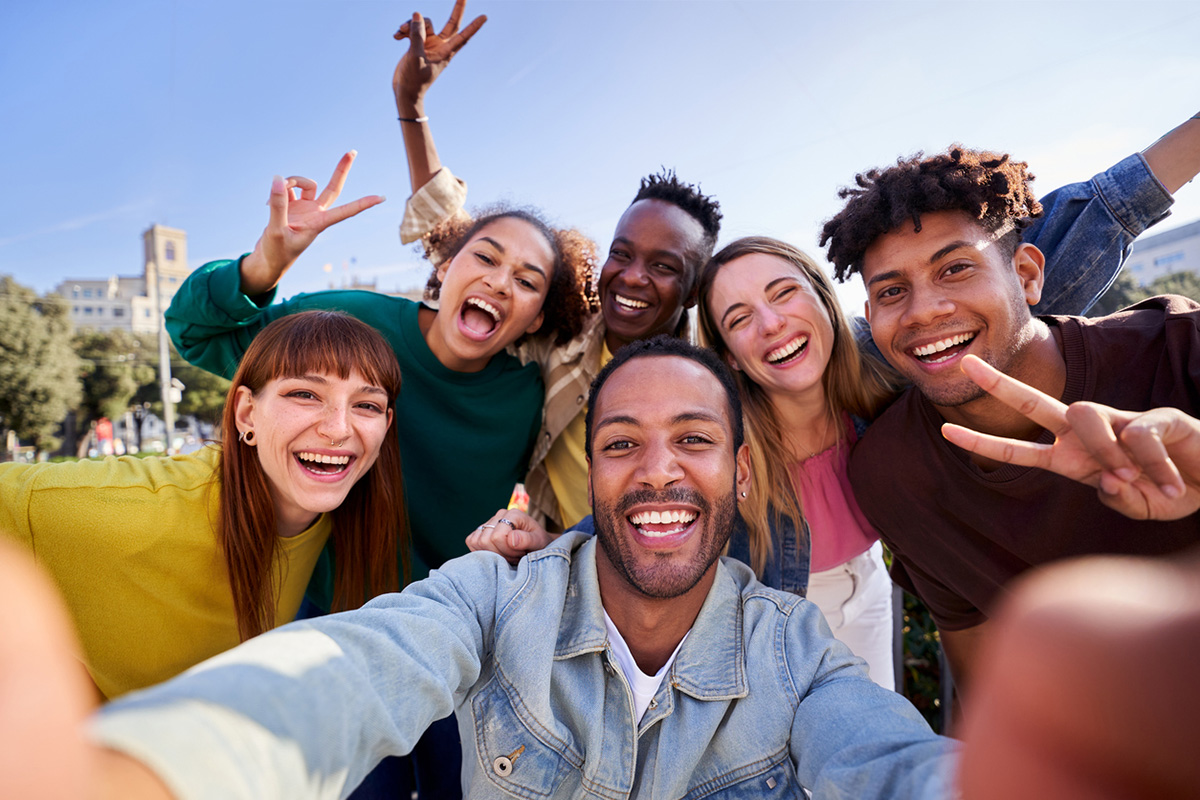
<point>711,665</point>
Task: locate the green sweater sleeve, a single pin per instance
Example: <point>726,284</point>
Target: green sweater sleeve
<point>212,322</point>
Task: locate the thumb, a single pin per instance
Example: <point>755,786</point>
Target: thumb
<point>416,34</point>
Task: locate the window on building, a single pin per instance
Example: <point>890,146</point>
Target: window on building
<point>170,251</point>
<point>75,292</point>
<point>75,310</point>
<point>145,312</point>
<point>118,312</point>
<point>1169,258</point>
<point>87,310</point>
<point>87,292</point>
<point>170,279</point>
<point>100,311</point>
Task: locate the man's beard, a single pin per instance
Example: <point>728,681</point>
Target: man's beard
<point>663,578</point>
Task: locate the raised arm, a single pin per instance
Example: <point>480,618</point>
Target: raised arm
<point>223,304</point>
<point>427,55</point>
<point>1175,158</point>
<point>1087,229</point>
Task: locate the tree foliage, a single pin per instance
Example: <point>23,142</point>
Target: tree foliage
<point>113,366</point>
<point>39,371</point>
<point>1125,291</point>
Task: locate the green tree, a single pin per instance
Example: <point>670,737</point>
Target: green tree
<point>39,372</point>
<point>1125,291</point>
<point>113,366</point>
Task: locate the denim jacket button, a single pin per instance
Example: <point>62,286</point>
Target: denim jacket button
<point>502,766</point>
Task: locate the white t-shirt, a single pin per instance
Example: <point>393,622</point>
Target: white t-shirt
<point>644,686</point>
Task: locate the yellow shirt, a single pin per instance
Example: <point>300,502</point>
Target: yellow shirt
<point>566,464</point>
<point>132,546</point>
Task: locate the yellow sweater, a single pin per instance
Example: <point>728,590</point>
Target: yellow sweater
<point>132,546</point>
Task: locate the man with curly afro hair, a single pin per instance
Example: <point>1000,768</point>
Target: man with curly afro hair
<point>938,243</point>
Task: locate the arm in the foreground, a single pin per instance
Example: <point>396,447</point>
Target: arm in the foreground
<point>308,709</point>
<point>1086,229</point>
<point>1145,464</point>
<point>851,737</point>
<point>44,697</point>
<point>1107,708</point>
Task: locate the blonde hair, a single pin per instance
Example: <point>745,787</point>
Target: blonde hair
<point>854,383</point>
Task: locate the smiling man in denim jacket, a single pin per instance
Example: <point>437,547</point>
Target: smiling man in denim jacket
<point>636,663</point>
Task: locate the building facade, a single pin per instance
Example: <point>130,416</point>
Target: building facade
<point>1175,250</point>
<point>133,303</point>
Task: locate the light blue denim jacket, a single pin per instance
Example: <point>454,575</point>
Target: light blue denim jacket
<point>1086,231</point>
<point>759,701</point>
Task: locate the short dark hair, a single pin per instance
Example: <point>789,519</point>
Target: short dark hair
<point>990,187</point>
<point>704,209</point>
<point>664,345</point>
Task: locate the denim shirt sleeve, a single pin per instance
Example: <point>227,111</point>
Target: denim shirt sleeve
<point>308,709</point>
<point>1086,231</point>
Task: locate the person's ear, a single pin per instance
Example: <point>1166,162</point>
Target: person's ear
<point>243,409</point>
<point>744,473</point>
<point>537,323</point>
<point>1030,266</point>
<point>867,311</point>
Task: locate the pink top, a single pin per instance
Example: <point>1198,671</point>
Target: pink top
<point>839,530</point>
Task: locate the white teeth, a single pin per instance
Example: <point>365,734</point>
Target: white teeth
<point>662,517</point>
<point>320,458</point>
<point>937,347</point>
<point>629,302</point>
<point>780,353</point>
<point>484,306</point>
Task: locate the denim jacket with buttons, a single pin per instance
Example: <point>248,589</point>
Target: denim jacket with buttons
<point>759,702</point>
<point>1086,231</point>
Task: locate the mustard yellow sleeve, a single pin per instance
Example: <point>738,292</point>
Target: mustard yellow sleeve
<point>16,494</point>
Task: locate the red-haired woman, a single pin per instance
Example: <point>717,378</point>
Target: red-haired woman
<point>165,562</point>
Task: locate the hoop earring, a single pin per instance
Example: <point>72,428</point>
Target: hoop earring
<point>247,437</point>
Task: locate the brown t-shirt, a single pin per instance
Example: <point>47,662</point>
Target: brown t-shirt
<point>960,534</point>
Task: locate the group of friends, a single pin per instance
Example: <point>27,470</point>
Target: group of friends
<point>970,423</point>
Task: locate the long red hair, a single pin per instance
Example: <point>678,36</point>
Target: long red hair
<point>369,527</point>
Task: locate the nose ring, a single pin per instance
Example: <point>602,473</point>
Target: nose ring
<point>338,443</point>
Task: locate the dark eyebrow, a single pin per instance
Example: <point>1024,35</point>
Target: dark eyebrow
<point>500,248</point>
<point>950,248</point>
<point>654,253</point>
<point>686,416</point>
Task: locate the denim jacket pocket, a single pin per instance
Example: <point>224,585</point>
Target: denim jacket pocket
<point>511,755</point>
<point>774,777</point>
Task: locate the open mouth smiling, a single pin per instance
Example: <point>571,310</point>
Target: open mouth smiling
<point>655,524</point>
<point>943,349</point>
<point>321,464</point>
<point>788,352</point>
<point>480,317</point>
<point>629,303</point>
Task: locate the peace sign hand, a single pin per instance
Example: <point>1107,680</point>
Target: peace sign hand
<point>427,55</point>
<point>1145,465</point>
<point>295,222</point>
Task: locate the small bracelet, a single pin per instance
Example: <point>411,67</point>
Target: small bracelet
<point>413,119</point>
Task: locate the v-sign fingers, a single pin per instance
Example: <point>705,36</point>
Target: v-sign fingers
<point>455,17</point>
<point>1033,404</point>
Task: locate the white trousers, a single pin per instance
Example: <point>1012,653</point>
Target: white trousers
<point>856,599</point>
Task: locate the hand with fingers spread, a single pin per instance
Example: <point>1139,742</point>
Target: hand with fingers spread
<point>1144,464</point>
<point>511,533</point>
<point>427,55</point>
<point>295,222</point>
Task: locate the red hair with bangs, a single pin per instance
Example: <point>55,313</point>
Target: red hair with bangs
<point>369,527</point>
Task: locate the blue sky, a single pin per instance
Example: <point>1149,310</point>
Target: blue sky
<point>114,116</point>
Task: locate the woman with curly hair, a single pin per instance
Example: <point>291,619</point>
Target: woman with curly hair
<point>167,561</point>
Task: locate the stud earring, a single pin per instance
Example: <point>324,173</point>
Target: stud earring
<point>743,494</point>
